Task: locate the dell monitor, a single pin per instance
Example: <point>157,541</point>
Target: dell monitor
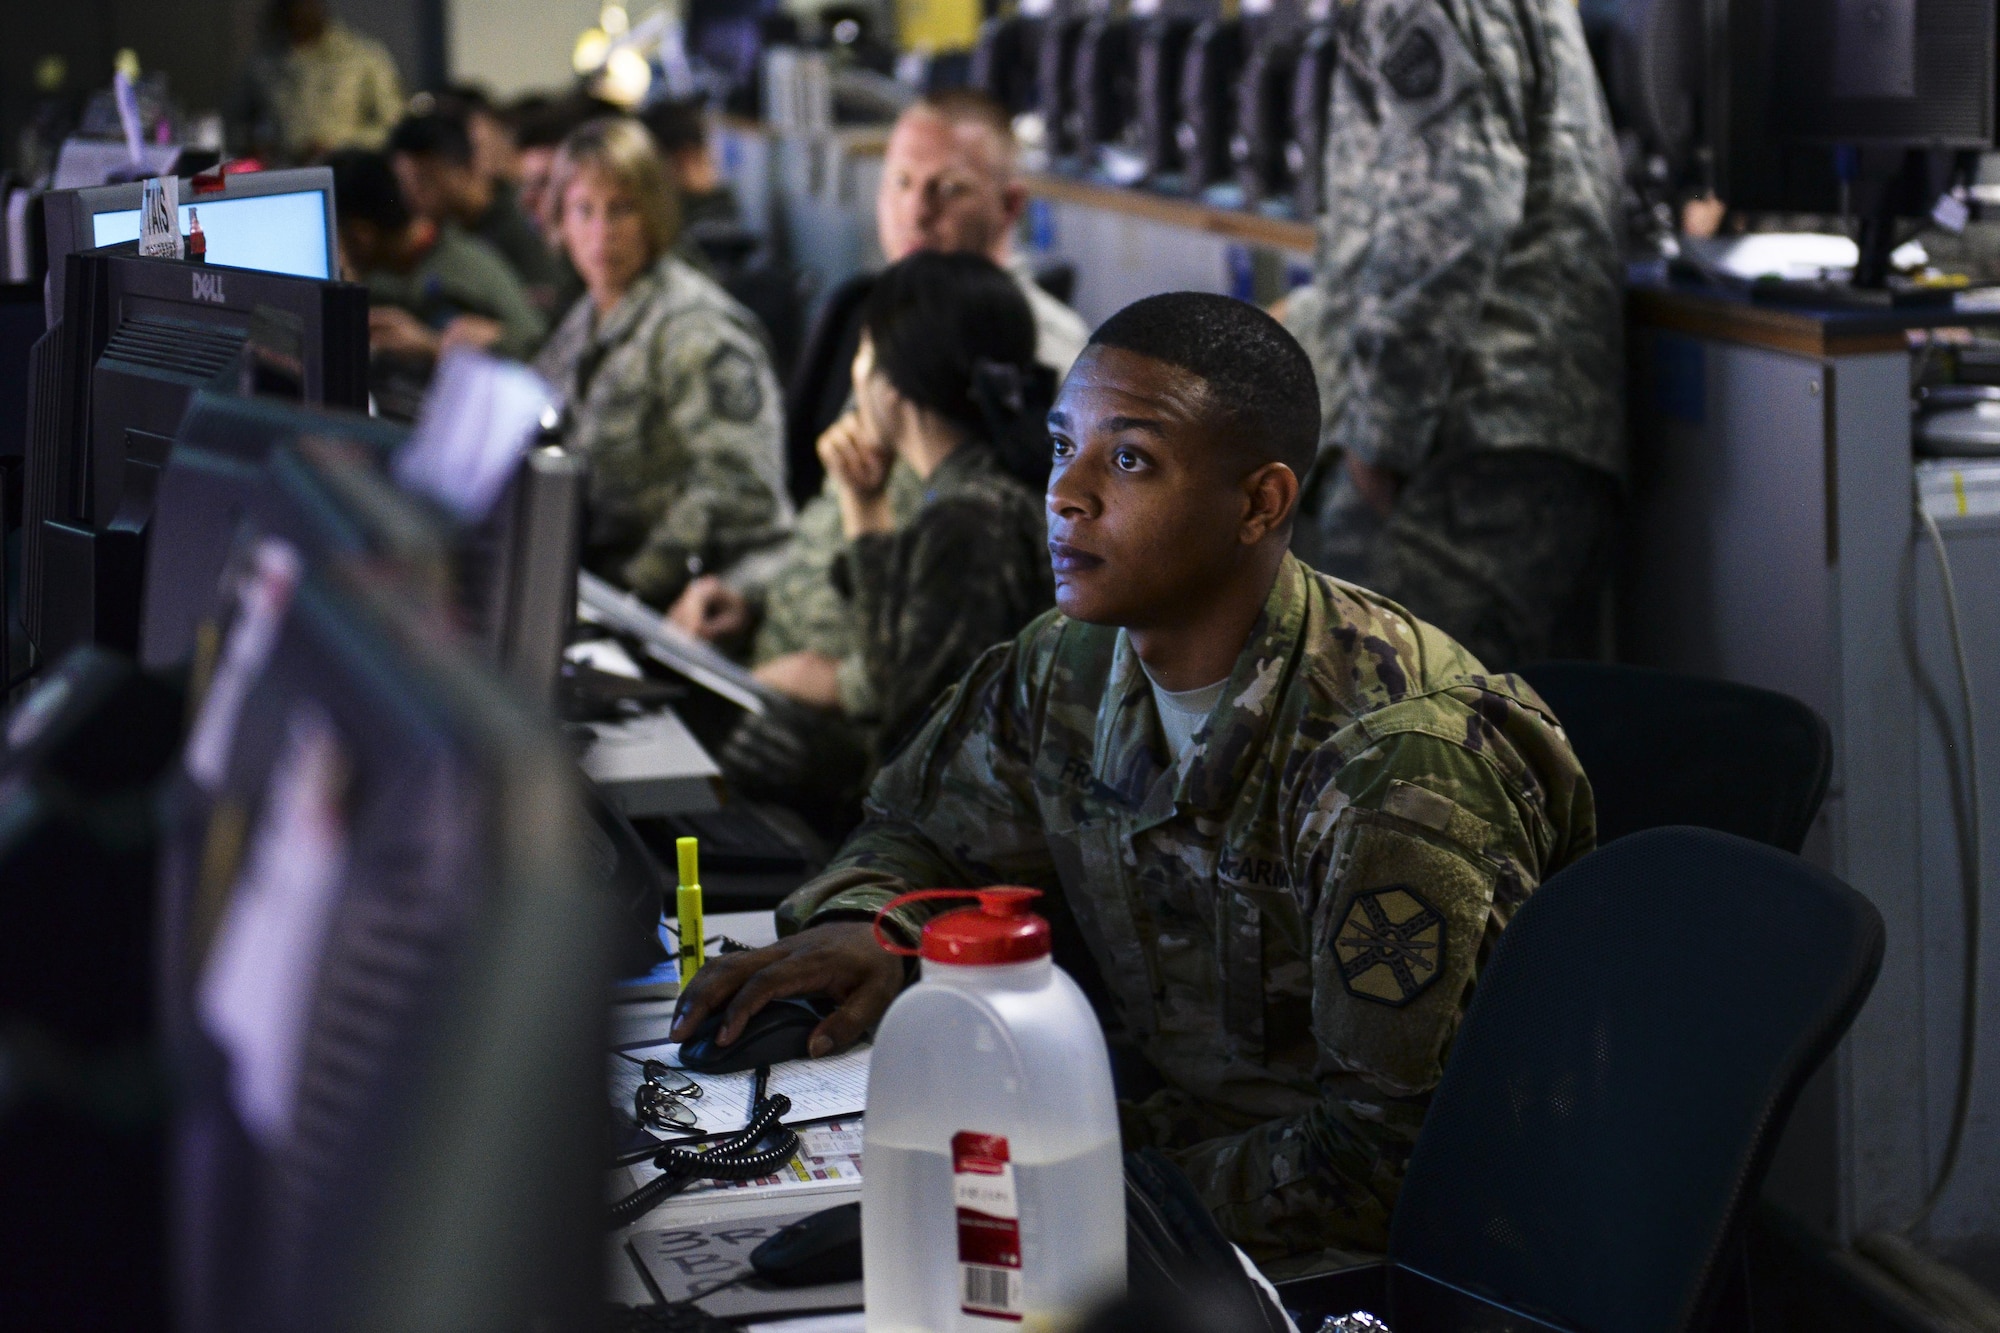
<point>271,221</point>
<point>138,339</point>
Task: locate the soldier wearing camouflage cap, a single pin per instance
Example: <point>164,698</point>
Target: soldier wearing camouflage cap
<point>669,388</point>
<point>1465,321</point>
<point>1288,818</point>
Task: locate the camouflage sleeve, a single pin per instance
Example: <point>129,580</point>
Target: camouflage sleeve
<point>1425,182</point>
<point>953,809</point>
<point>929,599</point>
<point>719,399</point>
<point>1410,861</point>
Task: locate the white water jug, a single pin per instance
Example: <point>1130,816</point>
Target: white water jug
<point>992,1186</point>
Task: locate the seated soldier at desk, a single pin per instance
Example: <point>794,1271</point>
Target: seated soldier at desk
<point>946,386</point>
<point>430,286</point>
<point>668,386</point>
<point>1289,819</point>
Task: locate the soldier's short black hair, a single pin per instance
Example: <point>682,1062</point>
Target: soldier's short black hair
<point>365,190</point>
<point>677,127</point>
<point>439,132</point>
<point>541,121</point>
<point>1255,370</point>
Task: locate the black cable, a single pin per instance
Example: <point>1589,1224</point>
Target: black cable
<point>729,1159</point>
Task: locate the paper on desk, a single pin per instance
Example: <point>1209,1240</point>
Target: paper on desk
<point>710,1262</point>
<point>819,1089</point>
<point>829,1158</point>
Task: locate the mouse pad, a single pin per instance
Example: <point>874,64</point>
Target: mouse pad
<point>703,1263</point>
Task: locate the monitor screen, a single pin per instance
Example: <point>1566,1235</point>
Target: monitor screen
<point>277,233</point>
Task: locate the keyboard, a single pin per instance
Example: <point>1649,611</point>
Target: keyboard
<point>739,838</point>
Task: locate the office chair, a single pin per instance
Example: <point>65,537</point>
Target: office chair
<point>1616,1091</point>
<point>1662,748</point>
<point>820,382</point>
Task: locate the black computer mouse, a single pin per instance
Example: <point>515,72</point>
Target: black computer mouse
<point>776,1033</point>
<point>813,1251</point>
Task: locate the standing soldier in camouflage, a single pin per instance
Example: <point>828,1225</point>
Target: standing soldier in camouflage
<point>669,389</point>
<point>1465,321</point>
<point>1288,817</point>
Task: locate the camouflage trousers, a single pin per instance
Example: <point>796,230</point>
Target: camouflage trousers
<point>1332,1212</point>
<point>1507,551</point>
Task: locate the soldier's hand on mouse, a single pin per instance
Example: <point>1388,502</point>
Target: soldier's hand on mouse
<point>840,960</point>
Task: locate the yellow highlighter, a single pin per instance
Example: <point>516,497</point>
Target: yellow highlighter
<point>687,904</point>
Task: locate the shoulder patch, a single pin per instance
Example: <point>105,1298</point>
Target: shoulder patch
<point>734,390</point>
<point>1390,946</point>
<point>1416,67</point>
<point>1422,62</point>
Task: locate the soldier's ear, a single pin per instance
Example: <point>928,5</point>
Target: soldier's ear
<point>1270,493</point>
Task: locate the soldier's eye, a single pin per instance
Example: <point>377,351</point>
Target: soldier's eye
<point>1063,448</point>
<point>1129,460</point>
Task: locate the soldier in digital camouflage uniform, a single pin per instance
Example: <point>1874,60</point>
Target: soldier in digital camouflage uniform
<point>671,395</point>
<point>1465,321</point>
<point>1290,917</point>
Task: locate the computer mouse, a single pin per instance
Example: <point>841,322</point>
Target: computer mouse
<point>813,1251</point>
<point>776,1033</point>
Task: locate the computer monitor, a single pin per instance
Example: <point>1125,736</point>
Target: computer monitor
<point>519,508</point>
<point>272,221</point>
<point>207,490</point>
<point>1803,106</point>
<point>138,339</point>
<point>384,966</point>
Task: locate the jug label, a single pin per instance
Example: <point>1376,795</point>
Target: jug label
<point>989,1226</point>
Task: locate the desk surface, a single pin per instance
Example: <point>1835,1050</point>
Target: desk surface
<point>1232,223</point>
<point>1732,316</point>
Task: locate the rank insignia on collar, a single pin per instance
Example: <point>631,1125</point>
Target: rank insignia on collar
<point>1389,946</point>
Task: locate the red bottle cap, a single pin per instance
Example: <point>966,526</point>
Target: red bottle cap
<point>1000,930</point>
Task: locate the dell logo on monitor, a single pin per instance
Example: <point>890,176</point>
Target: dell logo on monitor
<point>208,287</point>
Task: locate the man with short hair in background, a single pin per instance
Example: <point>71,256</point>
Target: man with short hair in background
<point>432,153</point>
<point>949,182</point>
<point>430,287</point>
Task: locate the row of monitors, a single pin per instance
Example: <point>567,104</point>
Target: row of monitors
<point>380,951</point>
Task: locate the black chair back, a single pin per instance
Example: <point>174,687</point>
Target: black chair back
<point>1629,1059</point>
<point>1662,748</point>
<point>821,381</point>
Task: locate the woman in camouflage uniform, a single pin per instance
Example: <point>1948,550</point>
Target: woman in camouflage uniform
<point>945,380</point>
<point>668,386</point>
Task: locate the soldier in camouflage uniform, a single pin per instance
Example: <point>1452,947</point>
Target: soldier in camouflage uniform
<point>1465,321</point>
<point>947,389</point>
<point>1289,916</point>
<point>668,387</point>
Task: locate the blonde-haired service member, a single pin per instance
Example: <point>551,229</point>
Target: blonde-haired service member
<point>668,387</point>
